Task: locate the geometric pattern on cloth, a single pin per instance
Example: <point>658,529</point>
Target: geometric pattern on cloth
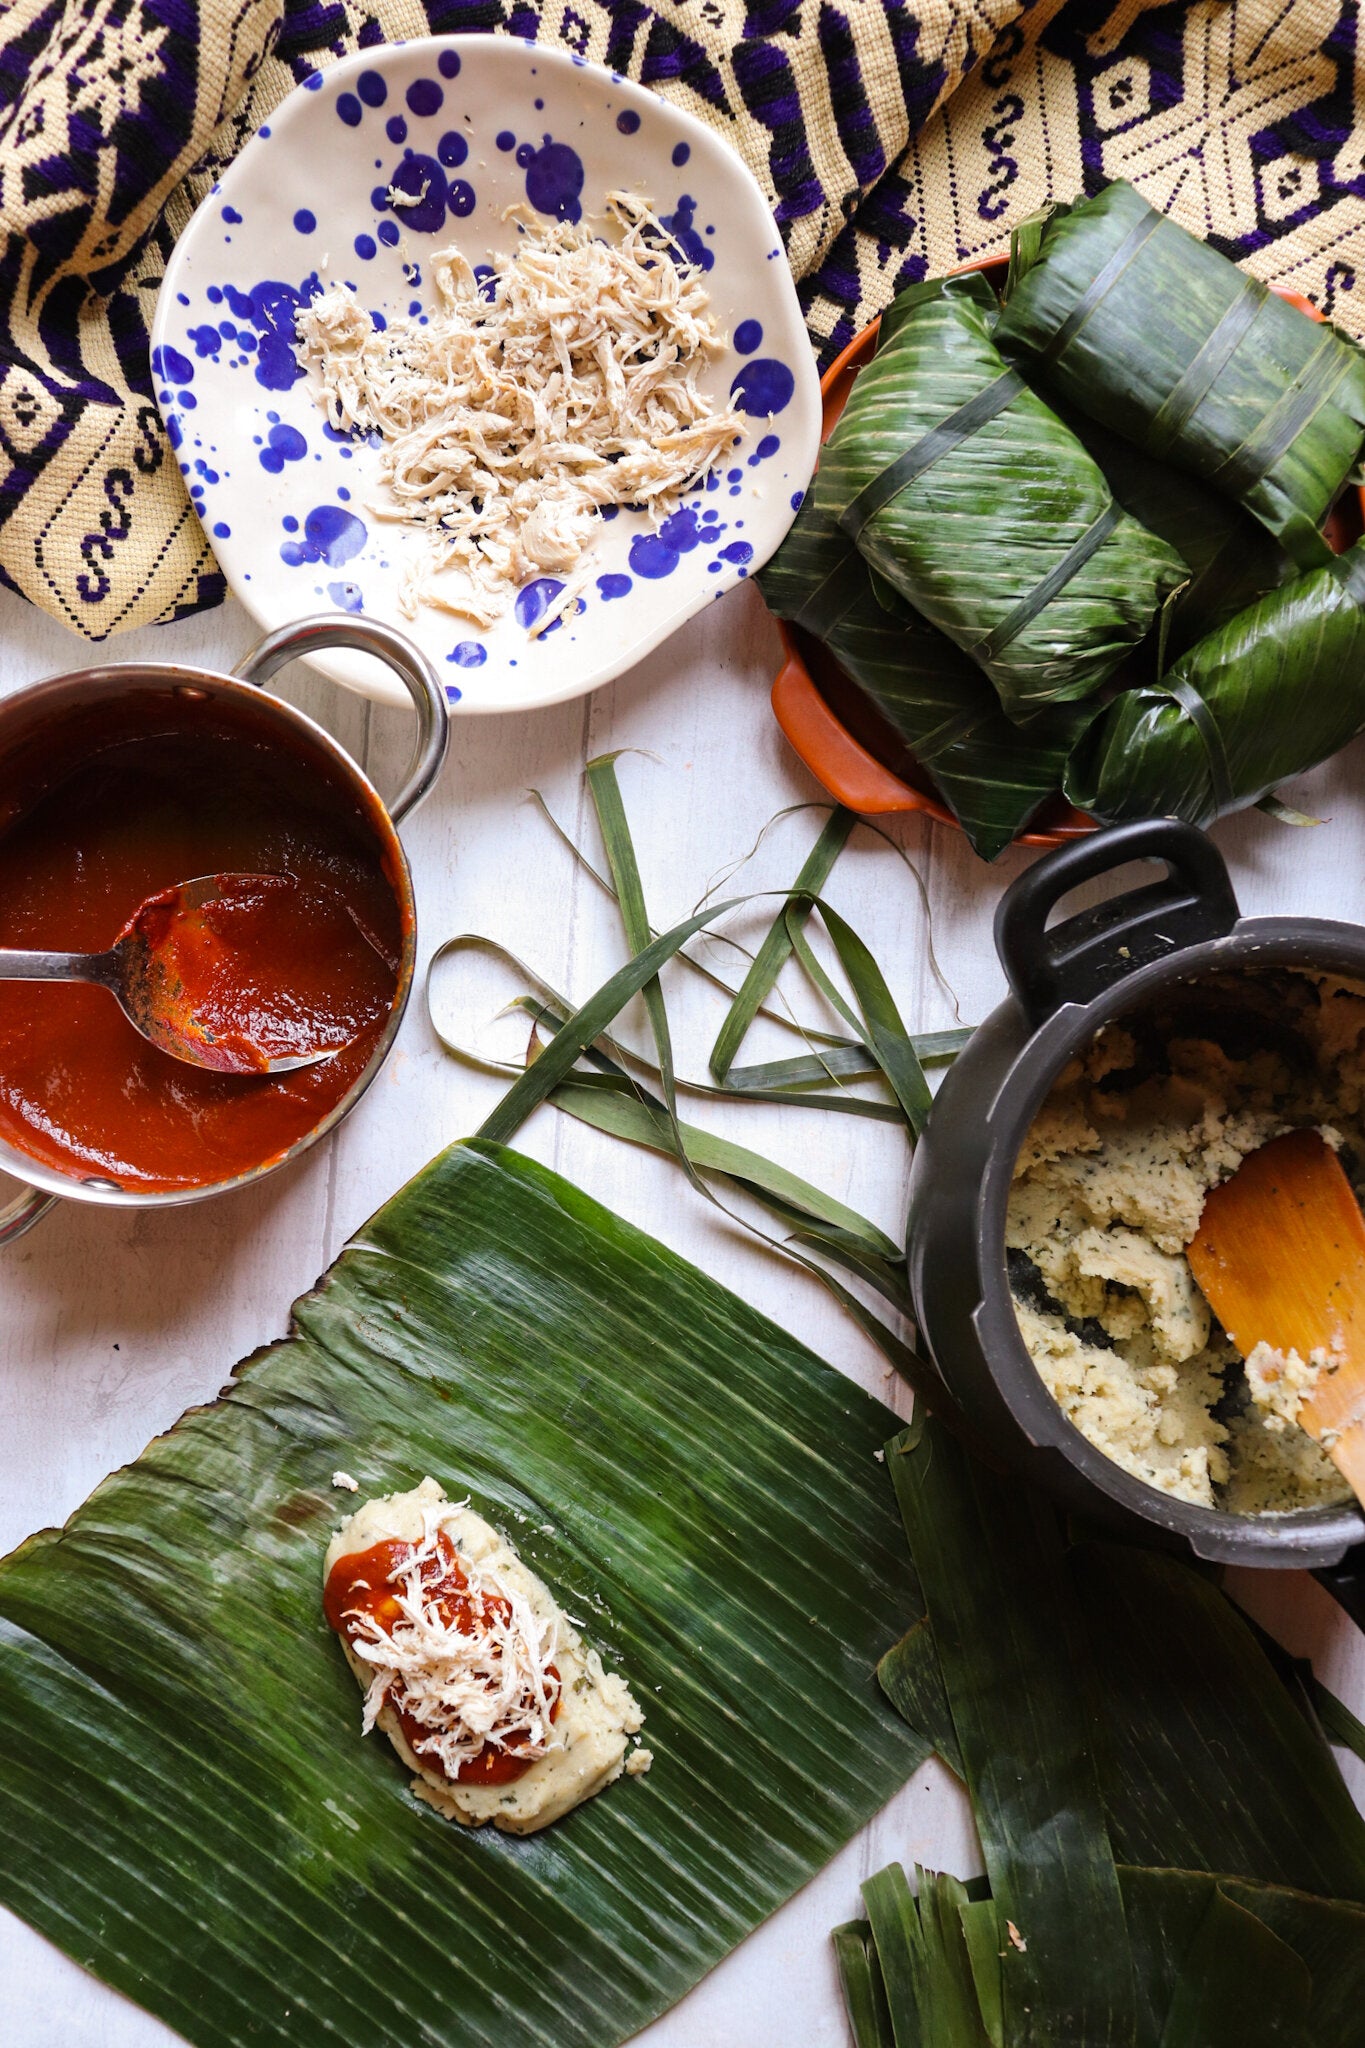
<point>894,139</point>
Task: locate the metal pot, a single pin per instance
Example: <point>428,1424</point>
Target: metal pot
<point>24,713</point>
<point>1066,982</point>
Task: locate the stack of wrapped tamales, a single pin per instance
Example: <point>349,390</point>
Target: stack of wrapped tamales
<point>1075,541</point>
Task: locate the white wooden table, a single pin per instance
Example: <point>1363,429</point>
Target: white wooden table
<point>113,1323</point>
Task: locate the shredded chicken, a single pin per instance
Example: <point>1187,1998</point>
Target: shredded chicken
<point>566,381</point>
<point>478,1675</point>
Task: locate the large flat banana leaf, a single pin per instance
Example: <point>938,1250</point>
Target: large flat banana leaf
<point>968,494</point>
<point>933,694</point>
<point>1272,692</point>
<point>186,1804</point>
<point>1123,313</point>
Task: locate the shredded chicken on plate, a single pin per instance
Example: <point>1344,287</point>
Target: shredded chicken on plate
<point>566,381</point>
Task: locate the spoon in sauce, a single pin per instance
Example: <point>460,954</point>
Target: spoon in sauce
<point>244,974</point>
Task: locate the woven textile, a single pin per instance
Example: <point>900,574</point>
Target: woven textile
<point>894,138</point>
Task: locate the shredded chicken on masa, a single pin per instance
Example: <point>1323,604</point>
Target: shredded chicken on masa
<point>568,383</point>
<point>463,1688</point>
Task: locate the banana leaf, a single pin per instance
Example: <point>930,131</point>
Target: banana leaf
<point>922,1954</point>
<point>1235,1965</point>
<point>860,1980</point>
<point>186,1804</point>
<point>1168,1913</point>
<point>1274,691</point>
<point>1208,1760</point>
<point>1011,1644</point>
<point>1231,558</point>
<point>1220,1964</point>
<point>932,693</point>
<point>1121,312</point>
<point>967,494</point>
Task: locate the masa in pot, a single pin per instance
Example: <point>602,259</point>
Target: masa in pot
<point>1106,1197</point>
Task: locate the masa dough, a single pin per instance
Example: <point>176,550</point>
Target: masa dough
<point>1107,1194</point>
<point>597,1715</point>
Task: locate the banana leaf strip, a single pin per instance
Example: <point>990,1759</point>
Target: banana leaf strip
<point>894,1922</point>
<point>860,1980</point>
<point>922,1951</point>
<point>775,951</point>
<point>986,1939</point>
<point>841,1233</point>
<point>1270,694</point>
<point>1122,312</point>
<point>927,689</point>
<point>186,1803</point>
<point>968,494</point>
<point>1010,1641</point>
<point>912,1678</point>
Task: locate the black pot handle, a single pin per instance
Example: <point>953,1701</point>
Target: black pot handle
<point>1345,1581</point>
<point>1078,959</point>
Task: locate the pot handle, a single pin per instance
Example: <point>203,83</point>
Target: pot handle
<point>1087,953</point>
<point>23,1212</point>
<point>330,629</point>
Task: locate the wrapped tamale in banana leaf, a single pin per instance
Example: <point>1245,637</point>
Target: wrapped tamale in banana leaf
<point>1230,558</point>
<point>968,494</point>
<point>1272,692</point>
<point>1116,309</point>
<point>991,776</point>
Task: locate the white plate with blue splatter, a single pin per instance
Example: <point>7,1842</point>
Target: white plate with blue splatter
<point>473,125</point>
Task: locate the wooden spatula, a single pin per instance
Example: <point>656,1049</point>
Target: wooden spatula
<point>1280,1256</point>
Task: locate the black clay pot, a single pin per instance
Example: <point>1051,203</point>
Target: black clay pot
<point>1066,982</point>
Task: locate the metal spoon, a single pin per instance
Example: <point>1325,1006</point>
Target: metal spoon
<point>139,972</point>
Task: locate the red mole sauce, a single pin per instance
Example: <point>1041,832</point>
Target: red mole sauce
<point>98,812</point>
<point>266,970</point>
<point>362,1584</point>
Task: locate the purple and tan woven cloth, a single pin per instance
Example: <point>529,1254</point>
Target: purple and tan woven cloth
<point>894,138</point>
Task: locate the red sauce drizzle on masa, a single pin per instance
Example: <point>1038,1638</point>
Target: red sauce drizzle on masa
<point>361,1584</point>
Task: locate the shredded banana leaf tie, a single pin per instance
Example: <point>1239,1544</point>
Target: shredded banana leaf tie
<point>1286,420</point>
<point>1193,388</point>
<point>1099,288</point>
<point>1042,593</point>
<point>938,442</point>
<point>1206,725</point>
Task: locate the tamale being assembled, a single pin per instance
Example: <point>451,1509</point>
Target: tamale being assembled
<point>1116,309</point>
<point>964,491</point>
<point>991,777</point>
<point>1277,689</point>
